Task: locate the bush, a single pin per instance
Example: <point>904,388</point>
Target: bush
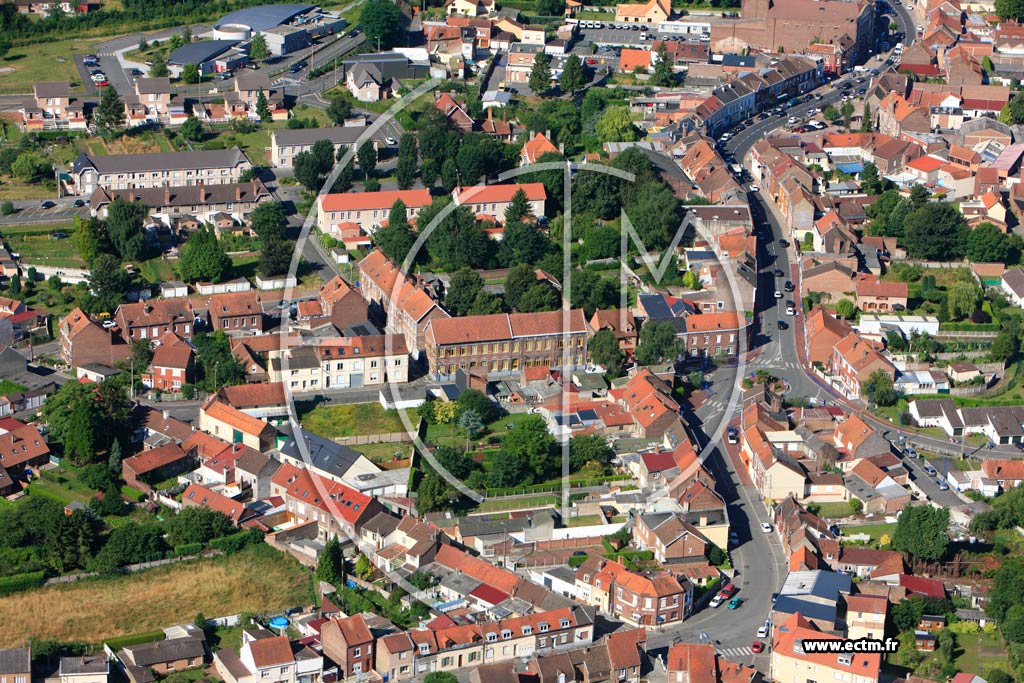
<point>188,549</point>
<point>236,542</point>
<point>7,208</point>
<point>134,639</point>
<point>21,582</point>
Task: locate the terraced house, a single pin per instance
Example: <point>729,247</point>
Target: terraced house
<point>163,169</point>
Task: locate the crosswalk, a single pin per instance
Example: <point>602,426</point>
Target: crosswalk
<point>735,652</point>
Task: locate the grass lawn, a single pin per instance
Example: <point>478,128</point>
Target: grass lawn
<point>834,509</point>
<point>244,265</point>
<point>384,452</point>
<point>334,422</point>
<point>44,250</point>
<point>259,579</point>
<point>449,435</point>
<point>62,493</point>
<point>876,531</point>
<point>157,270</point>
<point>9,387</point>
<point>225,637</point>
<point>23,66</point>
<point>584,520</point>
<point>13,189</point>
<point>497,504</point>
<point>980,652</point>
<point>255,144</point>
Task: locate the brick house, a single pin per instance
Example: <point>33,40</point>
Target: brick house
<point>397,300</point>
<point>144,470</point>
<point>349,644</point>
<point>336,508</point>
<point>670,538</point>
<point>154,319</point>
<point>173,365</point>
<point>853,361</point>
<point>197,495</point>
<point>635,598</point>
<point>876,296</point>
<point>822,332</point>
<point>236,312</point>
<point>226,422</point>
<point>713,335</point>
<point>84,341</point>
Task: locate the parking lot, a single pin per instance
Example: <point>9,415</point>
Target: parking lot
<point>36,216</point>
<point>626,37</point>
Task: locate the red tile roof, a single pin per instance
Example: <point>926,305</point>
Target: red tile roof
<point>275,651</point>
<point>496,194</point>
<point>325,494</point>
<point>361,201</point>
<point>201,496</point>
<point>154,459</point>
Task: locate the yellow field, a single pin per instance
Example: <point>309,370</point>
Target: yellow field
<point>259,579</point>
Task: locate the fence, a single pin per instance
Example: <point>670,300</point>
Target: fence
<point>71,276</point>
<point>391,437</point>
<point>71,578</point>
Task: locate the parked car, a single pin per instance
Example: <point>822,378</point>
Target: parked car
<point>735,603</point>
<point>766,527</point>
<point>46,205</point>
<point>757,647</point>
<point>762,632</point>
<point>79,203</point>
<point>716,601</point>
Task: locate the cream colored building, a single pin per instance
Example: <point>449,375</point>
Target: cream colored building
<point>790,664</point>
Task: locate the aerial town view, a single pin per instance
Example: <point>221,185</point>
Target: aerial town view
<point>512,341</point>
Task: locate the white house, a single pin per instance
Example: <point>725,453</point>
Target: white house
<point>1013,286</point>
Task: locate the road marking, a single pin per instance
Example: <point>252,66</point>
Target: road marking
<point>736,651</point>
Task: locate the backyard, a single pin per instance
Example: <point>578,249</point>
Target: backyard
<point>355,419</point>
<point>258,579</point>
<point>875,531</point>
<point>37,246</point>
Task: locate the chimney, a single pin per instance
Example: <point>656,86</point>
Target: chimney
<point>490,114</point>
<point>202,193</point>
<point>167,414</point>
<point>533,134</point>
<point>167,196</point>
<point>238,192</point>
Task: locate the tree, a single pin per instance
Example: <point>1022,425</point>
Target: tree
<point>462,291</point>
<point>986,64</point>
<point>268,221</point>
<point>664,74</point>
<point>540,74</point>
<point>962,298</point>
<point>519,208</point>
<point>591,291</point>
<point>879,389</point>
<point>307,171</point>
<point>15,285</point>
<point>203,258</point>
<point>190,74</point>
<point>330,565</point>
<point>109,113</point>
<point>339,109</point>
<point>405,168</point>
<point>30,167</point>
<point>988,244</point>
<point>124,227</point>
<point>364,569</point>
<point>921,532</point>
<point>508,470</point>
<point>86,419</point>
<point>936,231</point>
<point>869,178</point>
<point>275,258</point>
<point>486,303</point>
<point>521,243</point>
<point>367,157</point>
<point>114,461</point>
<point>1004,346</point>
<point>258,48</point>
<point>263,107</point>
<point>191,129</point>
<point>520,278</point>
<point>7,208</point>
<point>108,283</point>
<point>605,351</point>
<point>867,124</point>
<point>846,309</point>
<point>1007,589</point>
<point>572,79</point>
<point>216,367</point>
<point>551,8</point>
<point>655,213</point>
<point>197,525</point>
<point>1010,9</point>
<point>585,448</point>
<point>158,69</point>
<point>382,23</point>
<point>1013,111</point>
<point>657,343</point>
<point>530,442</point>
<point>616,125</point>
<point>846,111</point>
<point>395,239</point>
<point>1013,624</point>
<point>538,298</point>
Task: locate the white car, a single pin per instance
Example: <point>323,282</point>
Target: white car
<point>717,600</point>
<point>778,294</point>
<point>391,141</point>
<point>762,632</point>
<point>790,310</point>
<point>755,188</point>
<point>766,527</point>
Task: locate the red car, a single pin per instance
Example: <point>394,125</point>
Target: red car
<point>757,647</point>
<point>591,61</point>
<point>102,84</point>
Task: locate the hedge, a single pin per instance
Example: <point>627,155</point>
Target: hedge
<point>238,541</point>
<point>188,549</point>
<point>21,582</point>
<point>968,327</point>
<point>116,644</point>
<point>135,494</point>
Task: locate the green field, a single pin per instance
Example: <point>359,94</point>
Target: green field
<point>830,510</point>
<point>333,422</point>
<point>43,249</point>
<point>23,66</point>
<point>876,531</point>
<point>497,504</point>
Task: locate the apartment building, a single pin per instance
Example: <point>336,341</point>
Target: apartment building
<point>366,209</point>
<point>54,108</point>
<point>398,301</point>
<point>713,335</point>
<point>83,341</point>
<point>287,143</point>
<point>853,361</point>
<point>505,343</point>
<point>162,169</point>
<point>154,319</point>
<point>790,664</point>
<point>343,362</point>
<point>236,312</point>
<point>204,203</point>
<point>494,200</point>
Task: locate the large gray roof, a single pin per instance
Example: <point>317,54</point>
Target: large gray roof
<point>161,161</point>
<point>161,651</point>
<point>201,52</point>
<point>324,454</point>
<point>16,660</point>
<point>263,17</point>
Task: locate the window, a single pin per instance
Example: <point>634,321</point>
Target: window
<point>491,637</point>
<point>356,652</point>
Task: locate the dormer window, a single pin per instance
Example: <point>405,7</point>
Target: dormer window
<point>565,623</point>
<point>527,630</point>
<point>506,633</point>
<point>543,626</point>
<point>491,637</point>
<point>424,649</point>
